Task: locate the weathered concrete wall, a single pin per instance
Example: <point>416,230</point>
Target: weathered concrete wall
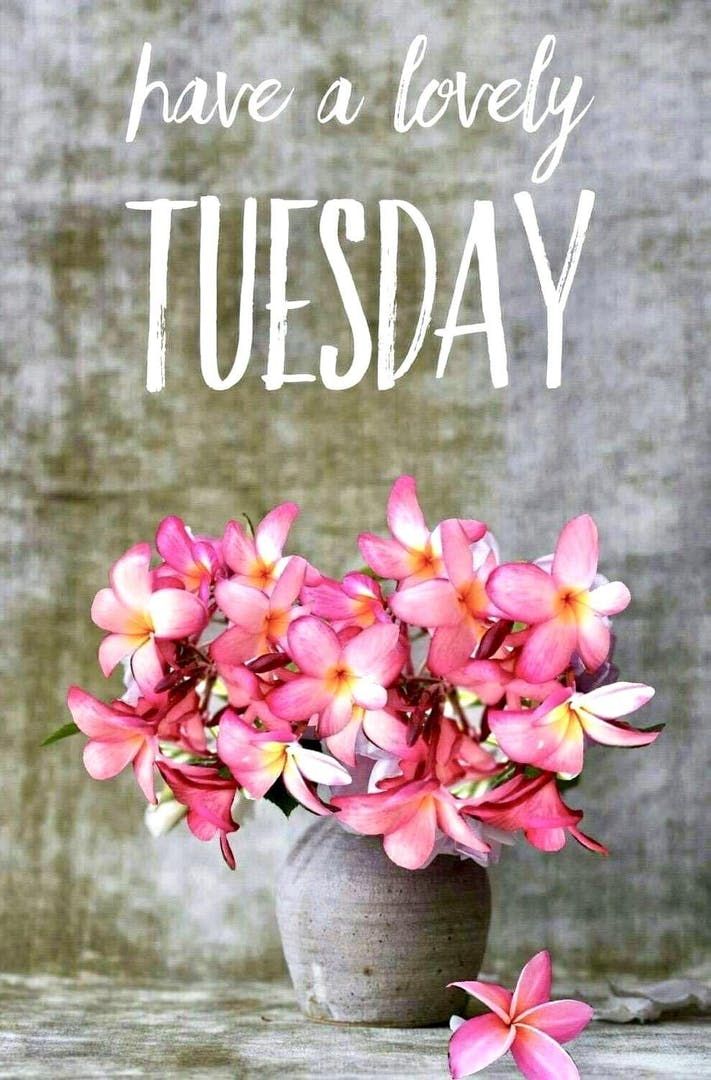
<point>91,461</point>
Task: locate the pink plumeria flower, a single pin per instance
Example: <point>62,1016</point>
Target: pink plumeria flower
<point>534,805</point>
<point>135,616</point>
<point>335,678</point>
<point>407,815</point>
<point>209,798</point>
<point>414,553</point>
<point>566,613</point>
<point>258,758</point>
<point>195,561</point>
<point>118,736</point>
<point>526,1022</point>
<point>457,607</point>
<point>260,621</point>
<point>355,601</point>
<point>552,737</point>
<point>259,560</point>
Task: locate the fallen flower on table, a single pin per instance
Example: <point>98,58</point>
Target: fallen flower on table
<point>524,1021</point>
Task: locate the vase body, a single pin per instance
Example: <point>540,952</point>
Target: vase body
<point>367,942</point>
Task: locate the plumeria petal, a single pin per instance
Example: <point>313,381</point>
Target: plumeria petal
<point>356,601</point>
<point>208,797</point>
<point>563,1020</point>
<point>209,800</point>
<point>616,699</point>
<point>541,1058</point>
<point>235,646</point>
<point>147,667</point>
<point>92,717</point>
<point>567,757</point>
<point>201,827</point>
<point>104,760</point>
<point>342,744</point>
<point>361,586</point>
<point>386,557</point>
<point>453,825</point>
<point>451,647</point>
<point>527,803</point>
<point>143,764</point>
<point>244,605</point>
<point>253,761</point>
<point>289,584</point>
<point>386,731</point>
<point>587,841</point>
<point>297,786</point>
<point>176,613</point>
<point>486,678</point>
<point>130,576</point>
<point>335,716</point>
<point>369,695</point>
<point>238,548</point>
<point>372,814</point>
<point>405,518</point>
<point>300,698</point>
<point>602,731</point>
<point>478,1043</point>
<point>524,740</point>
<point>227,852</point>
<point>576,554</point>
<point>272,532</point>
<point>534,984</point>
<point>495,997</point>
<point>547,839</point>
<point>319,768</point>
<point>313,645</point>
<point>108,612</point>
<point>523,592</point>
<point>548,649</point>
<point>593,640</point>
<point>609,599</point>
<point>473,530</point>
<point>116,647</point>
<point>428,603</point>
<point>456,553</point>
<point>410,844</point>
<point>368,653</point>
<point>243,686</point>
<point>175,545</point>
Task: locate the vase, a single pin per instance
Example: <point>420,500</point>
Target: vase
<point>367,942</point>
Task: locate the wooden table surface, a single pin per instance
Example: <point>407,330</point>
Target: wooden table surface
<point>98,1027</point>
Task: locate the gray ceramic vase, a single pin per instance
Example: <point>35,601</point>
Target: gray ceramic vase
<point>367,942</point>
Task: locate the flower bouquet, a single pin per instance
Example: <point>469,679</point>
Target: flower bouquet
<point>437,698</point>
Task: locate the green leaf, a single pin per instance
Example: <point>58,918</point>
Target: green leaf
<point>367,572</point>
<point>278,795</point>
<point>61,733</point>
